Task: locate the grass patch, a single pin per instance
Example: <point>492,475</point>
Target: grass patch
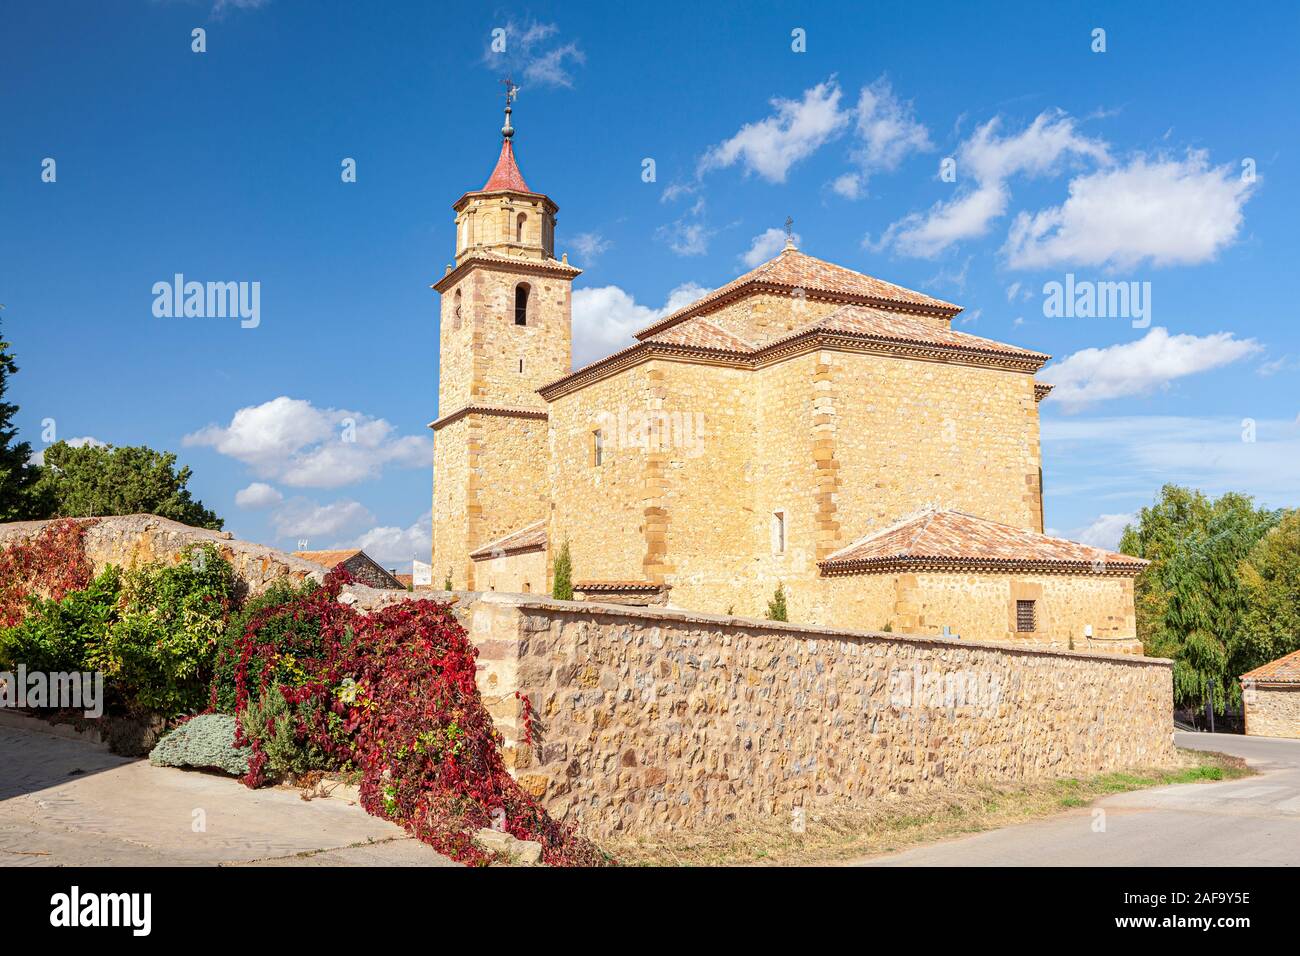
<point>892,823</point>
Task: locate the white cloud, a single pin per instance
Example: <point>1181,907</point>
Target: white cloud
<point>766,245</point>
<point>795,130</point>
<point>1129,457</point>
<point>257,495</point>
<point>292,441</point>
<point>301,518</point>
<point>1166,212</point>
<point>38,458</point>
<point>531,55</point>
<point>887,131</point>
<point>1105,531</point>
<point>925,235</point>
<point>605,318</point>
<point>688,236</point>
<point>394,546</point>
<point>849,185</point>
<point>991,160</point>
<point>1138,368</point>
<point>1012,291</point>
<point>1285,363</point>
<point>589,245</point>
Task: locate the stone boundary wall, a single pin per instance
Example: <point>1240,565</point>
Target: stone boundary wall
<point>648,719</point>
<point>131,540</point>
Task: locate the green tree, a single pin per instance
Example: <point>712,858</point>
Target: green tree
<point>17,477</point>
<point>1191,602</point>
<point>562,586</point>
<point>1271,575</point>
<point>776,609</point>
<point>101,480</point>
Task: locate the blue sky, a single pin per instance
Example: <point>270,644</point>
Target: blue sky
<point>1122,165</point>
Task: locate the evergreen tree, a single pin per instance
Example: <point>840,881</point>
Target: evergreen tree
<point>776,610</point>
<point>1271,576</point>
<point>98,480</point>
<point>562,586</point>
<point>17,477</point>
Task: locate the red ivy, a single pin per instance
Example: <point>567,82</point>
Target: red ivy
<point>49,566</point>
<point>412,719</point>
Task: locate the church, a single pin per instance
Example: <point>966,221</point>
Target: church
<point>803,427</point>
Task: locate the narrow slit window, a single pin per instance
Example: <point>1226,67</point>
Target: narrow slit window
<point>521,304</point>
<point>521,366</point>
<point>597,448</point>
<point>778,532</point>
<point>1026,617</point>
<point>519,228</point>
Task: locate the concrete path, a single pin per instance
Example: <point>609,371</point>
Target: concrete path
<point>65,802</point>
<point>1250,822</point>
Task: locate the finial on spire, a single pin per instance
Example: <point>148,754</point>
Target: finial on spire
<point>511,92</point>
<point>789,233</point>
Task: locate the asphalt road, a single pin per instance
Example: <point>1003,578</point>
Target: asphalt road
<point>1249,822</point>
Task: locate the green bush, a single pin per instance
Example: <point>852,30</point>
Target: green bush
<point>65,635</point>
<point>273,725</point>
<point>161,649</point>
<point>227,655</point>
<point>205,741</point>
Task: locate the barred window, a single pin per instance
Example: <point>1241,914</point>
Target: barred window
<point>1026,616</point>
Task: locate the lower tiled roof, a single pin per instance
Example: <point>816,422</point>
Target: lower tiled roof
<point>943,539</point>
<point>529,538</point>
<point>617,586</point>
<point>1284,670</point>
<point>328,559</point>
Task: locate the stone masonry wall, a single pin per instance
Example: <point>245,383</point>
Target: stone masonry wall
<point>131,540</point>
<point>1272,711</point>
<point>650,719</point>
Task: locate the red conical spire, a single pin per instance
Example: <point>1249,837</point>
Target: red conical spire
<point>507,175</point>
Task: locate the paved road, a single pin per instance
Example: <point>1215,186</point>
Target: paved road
<point>1249,822</point>
<point>67,803</point>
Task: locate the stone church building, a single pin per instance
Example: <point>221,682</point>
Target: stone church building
<point>804,425</point>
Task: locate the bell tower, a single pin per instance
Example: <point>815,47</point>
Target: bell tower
<point>504,331</point>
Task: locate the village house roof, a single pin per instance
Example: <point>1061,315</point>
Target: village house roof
<point>528,538</point>
<point>1284,670</point>
<point>329,559</point>
<point>947,540</point>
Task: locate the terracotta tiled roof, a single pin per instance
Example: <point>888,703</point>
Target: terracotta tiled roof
<point>793,269</point>
<point>506,175</point>
<point>530,538</point>
<point>857,320</point>
<point>596,586</point>
<point>328,559</point>
<point>1284,670</point>
<point>936,539</point>
<point>702,333</point>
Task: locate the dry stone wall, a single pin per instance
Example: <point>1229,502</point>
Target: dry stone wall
<point>648,719</point>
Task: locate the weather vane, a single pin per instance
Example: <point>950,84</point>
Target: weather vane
<point>511,92</point>
<point>789,228</point>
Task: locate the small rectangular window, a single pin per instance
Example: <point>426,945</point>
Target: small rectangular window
<point>1026,617</point>
<point>597,448</point>
<point>778,532</point>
